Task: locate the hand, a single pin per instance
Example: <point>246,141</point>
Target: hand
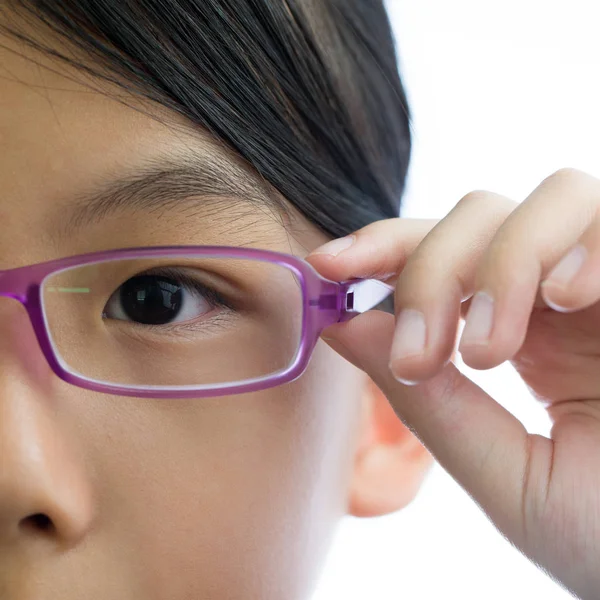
<point>542,494</point>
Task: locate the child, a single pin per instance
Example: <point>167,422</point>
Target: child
<point>263,127</point>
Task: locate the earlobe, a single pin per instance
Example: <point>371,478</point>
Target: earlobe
<point>390,462</point>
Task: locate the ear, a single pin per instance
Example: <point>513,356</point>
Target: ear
<point>390,462</point>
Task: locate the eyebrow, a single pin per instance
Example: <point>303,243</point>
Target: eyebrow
<point>179,183</point>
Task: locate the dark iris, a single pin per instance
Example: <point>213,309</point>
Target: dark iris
<point>151,299</point>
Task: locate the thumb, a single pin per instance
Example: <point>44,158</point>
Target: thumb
<point>482,445</point>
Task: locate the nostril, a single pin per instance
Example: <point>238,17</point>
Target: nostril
<point>38,522</point>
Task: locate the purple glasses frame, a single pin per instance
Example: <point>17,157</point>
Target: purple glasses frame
<point>324,303</point>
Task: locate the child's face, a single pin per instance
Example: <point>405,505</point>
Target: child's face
<point>229,497</point>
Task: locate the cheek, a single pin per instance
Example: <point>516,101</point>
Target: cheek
<point>233,493</point>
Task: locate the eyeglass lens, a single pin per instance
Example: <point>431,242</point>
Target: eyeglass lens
<point>174,321</point>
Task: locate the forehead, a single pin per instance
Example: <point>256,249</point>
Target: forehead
<point>58,136</point>
<point>63,132</point>
<point>56,132</point>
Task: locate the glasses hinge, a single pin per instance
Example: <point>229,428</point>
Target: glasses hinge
<point>330,301</point>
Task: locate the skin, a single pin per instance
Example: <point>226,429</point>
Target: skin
<point>541,493</point>
<point>115,476</point>
<point>220,498</point>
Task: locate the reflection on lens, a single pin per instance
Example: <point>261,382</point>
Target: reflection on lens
<point>174,321</point>
<point>162,296</point>
<point>149,299</point>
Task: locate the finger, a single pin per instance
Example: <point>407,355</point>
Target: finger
<point>574,283</point>
<point>530,241</point>
<point>437,277</point>
<point>436,268</point>
<point>483,446</point>
<point>540,303</point>
<point>380,250</point>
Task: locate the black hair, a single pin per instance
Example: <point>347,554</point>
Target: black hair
<point>307,92</point>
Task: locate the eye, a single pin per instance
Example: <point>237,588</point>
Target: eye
<point>158,299</point>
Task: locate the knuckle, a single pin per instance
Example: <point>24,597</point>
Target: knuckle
<point>565,175</point>
<point>500,204</point>
<point>475,197</point>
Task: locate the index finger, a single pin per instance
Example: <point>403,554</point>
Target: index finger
<point>382,258</point>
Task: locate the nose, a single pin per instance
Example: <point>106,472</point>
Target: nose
<point>44,491</point>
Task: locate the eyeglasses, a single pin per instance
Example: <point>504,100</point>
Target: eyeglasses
<point>183,321</point>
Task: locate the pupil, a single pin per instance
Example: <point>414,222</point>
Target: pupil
<point>151,300</point>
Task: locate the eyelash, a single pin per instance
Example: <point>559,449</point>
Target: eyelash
<point>189,282</point>
<point>192,283</point>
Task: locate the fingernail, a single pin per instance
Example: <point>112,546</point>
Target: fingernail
<point>410,334</point>
<point>334,247</point>
<point>565,271</point>
<point>406,382</point>
<point>479,321</point>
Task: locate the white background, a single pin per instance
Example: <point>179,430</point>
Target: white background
<point>503,94</point>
